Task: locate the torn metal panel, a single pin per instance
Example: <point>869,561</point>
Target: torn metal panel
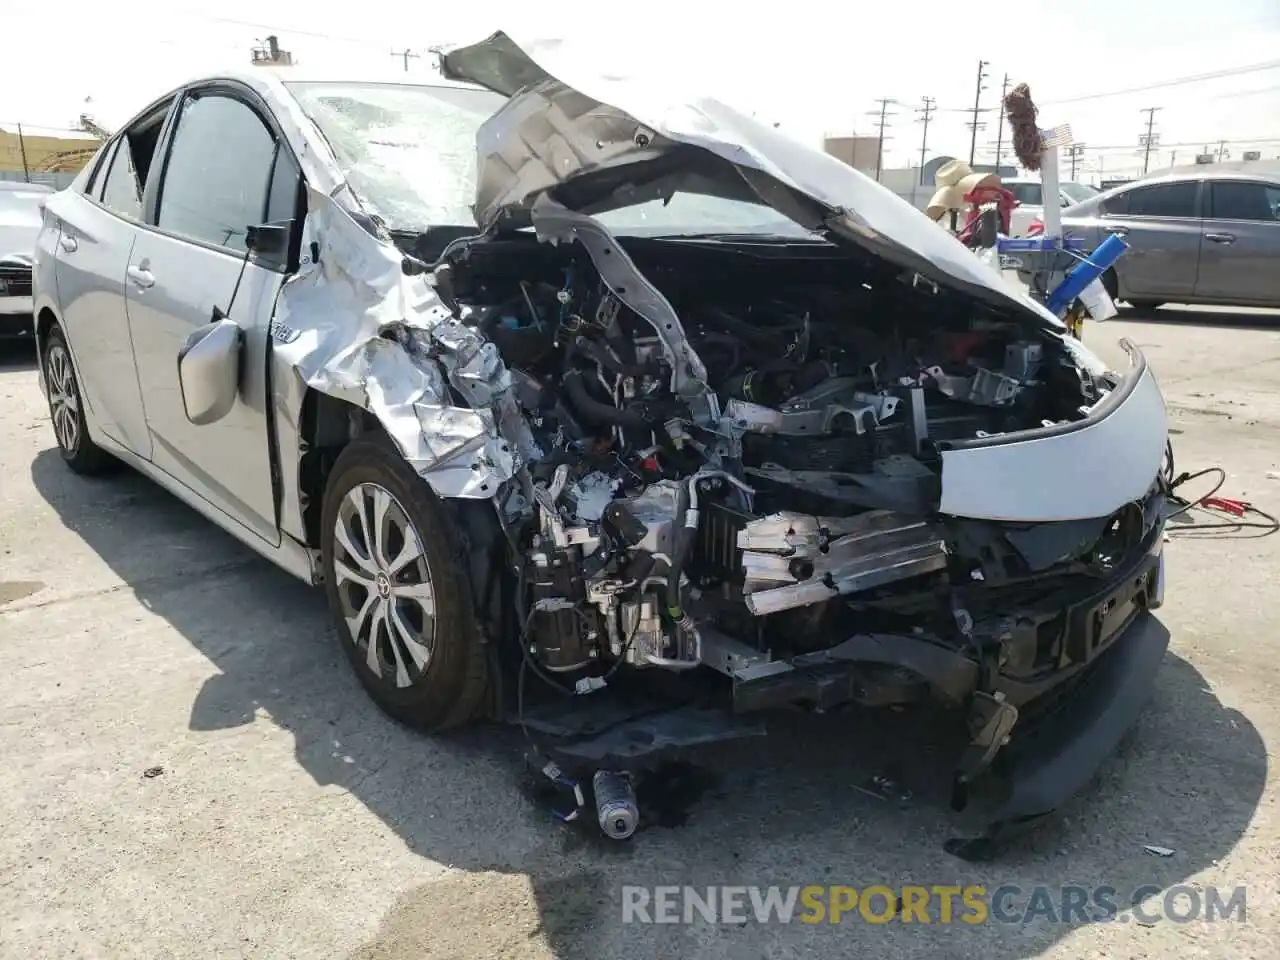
<point>352,325</point>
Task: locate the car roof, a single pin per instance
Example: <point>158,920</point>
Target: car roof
<point>1232,170</point>
<point>1036,180</point>
<point>19,186</point>
<point>268,80</point>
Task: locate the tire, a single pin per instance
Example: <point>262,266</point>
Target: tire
<point>408,628</point>
<point>66,410</point>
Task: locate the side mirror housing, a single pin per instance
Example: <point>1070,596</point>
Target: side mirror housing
<point>209,371</point>
<point>268,241</point>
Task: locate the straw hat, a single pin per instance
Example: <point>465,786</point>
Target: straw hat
<point>951,195</point>
<point>951,173</point>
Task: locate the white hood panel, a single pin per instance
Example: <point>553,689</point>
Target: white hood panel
<point>545,136</point>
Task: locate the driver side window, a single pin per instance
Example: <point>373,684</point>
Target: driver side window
<point>217,182</point>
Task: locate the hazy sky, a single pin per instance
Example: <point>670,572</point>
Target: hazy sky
<point>814,67</point>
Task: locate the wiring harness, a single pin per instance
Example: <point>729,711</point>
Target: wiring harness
<point>1210,503</point>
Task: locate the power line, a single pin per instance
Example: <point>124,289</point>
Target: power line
<point>1174,82</point>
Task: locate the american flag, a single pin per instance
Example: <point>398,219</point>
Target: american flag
<point>1058,136</point>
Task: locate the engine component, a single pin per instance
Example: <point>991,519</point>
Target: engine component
<point>1022,360</point>
<point>616,808</point>
<point>653,643</point>
<point>793,560</point>
<point>656,509</point>
<point>985,388</point>
<point>817,411</point>
<point>558,626</point>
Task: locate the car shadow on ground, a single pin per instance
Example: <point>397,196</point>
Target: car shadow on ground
<point>18,354</point>
<point>785,810</point>
<point>1199,317</point>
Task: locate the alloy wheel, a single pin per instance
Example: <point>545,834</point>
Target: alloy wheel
<point>384,584</point>
<point>64,399</point>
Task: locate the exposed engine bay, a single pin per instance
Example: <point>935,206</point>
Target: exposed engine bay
<point>757,479</point>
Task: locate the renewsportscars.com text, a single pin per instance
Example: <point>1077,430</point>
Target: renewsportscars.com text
<point>972,904</point>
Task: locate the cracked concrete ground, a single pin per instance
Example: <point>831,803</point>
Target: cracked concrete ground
<point>190,770</point>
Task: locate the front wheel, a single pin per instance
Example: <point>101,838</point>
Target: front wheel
<point>398,592</point>
<point>66,410</point>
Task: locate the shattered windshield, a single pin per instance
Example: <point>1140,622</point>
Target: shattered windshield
<point>408,152</point>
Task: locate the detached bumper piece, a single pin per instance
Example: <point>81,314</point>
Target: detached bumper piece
<point>1062,757</point>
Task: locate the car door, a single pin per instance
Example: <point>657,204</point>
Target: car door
<point>96,233</point>
<point>1161,224</point>
<point>1240,243</point>
<point>224,169</point>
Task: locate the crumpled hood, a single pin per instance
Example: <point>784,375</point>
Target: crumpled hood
<point>566,122</point>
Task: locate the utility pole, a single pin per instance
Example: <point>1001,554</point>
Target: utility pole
<point>928,105</point>
<point>1222,150</point>
<point>1075,152</point>
<point>885,103</point>
<point>22,145</point>
<point>977,100</point>
<point>404,55</point>
<point>1150,139</point>
<point>1004,91</point>
<point>1173,156</point>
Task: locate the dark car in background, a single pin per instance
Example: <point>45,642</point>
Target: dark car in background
<point>1203,234</point>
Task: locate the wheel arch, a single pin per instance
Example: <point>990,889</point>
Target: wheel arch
<point>326,425</point>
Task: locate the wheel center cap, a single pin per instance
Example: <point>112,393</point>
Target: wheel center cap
<point>383,585</point>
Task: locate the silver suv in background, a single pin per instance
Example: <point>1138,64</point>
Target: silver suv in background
<point>1201,234</point>
<point>20,220</point>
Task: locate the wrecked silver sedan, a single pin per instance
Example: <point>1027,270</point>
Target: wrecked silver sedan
<point>617,414</point>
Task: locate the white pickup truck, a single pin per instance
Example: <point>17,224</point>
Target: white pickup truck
<point>20,218</point>
<point>1030,196</point>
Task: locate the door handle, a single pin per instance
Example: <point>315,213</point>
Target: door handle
<point>1220,237</point>
<point>69,243</point>
<point>141,277</point>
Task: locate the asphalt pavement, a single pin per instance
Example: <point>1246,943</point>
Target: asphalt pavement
<point>191,770</point>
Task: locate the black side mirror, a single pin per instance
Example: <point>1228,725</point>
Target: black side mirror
<point>269,241</point>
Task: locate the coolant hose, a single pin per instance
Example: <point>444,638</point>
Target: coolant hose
<point>684,544</point>
<point>593,410</point>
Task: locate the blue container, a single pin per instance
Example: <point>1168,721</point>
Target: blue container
<point>1085,272</point>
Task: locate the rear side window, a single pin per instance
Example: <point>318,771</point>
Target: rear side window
<point>122,190</point>
<point>1027,193</point>
<point>218,175</point>
<point>1243,200</point>
<point>1162,200</point>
